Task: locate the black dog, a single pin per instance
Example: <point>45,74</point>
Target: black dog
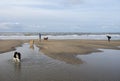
<point>45,38</point>
<point>17,57</point>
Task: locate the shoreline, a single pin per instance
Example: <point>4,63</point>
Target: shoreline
<point>73,46</point>
<point>10,45</point>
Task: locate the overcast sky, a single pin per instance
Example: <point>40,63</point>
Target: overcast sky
<point>59,15</point>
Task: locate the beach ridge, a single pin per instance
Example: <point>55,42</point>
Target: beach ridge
<point>76,46</point>
<point>63,46</point>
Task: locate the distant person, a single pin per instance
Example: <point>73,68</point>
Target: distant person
<point>109,37</point>
<point>40,37</point>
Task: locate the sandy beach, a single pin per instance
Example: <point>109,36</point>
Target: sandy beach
<point>63,46</point>
<point>60,60</point>
<point>76,46</point>
<point>9,45</point>
<point>64,50</point>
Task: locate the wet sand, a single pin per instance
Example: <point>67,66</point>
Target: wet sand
<point>9,45</point>
<point>36,66</point>
<point>76,46</point>
<point>63,46</point>
<point>61,60</point>
<point>66,50</point>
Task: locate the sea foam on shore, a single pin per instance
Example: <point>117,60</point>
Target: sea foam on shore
<point>62,35</point>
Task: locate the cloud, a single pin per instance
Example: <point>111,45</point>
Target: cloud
<point>26,3</point>
<point>49,15</point>
<point>72,2</point>
<point>10,26</point>
<point>110,27</point>
<point>53,4</point>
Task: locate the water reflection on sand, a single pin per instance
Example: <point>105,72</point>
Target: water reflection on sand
<point>35,66</point>
<point>17,67</point>
<point>67,58</point>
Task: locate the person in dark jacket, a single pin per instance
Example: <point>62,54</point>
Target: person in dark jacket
<point>109,37</point>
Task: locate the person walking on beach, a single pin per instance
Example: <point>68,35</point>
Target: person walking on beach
<point>40,37</point>
<point>109,37</point>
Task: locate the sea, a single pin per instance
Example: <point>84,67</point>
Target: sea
<point>58,35</point>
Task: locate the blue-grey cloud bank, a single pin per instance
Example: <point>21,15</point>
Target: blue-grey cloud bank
<point>59,16</point>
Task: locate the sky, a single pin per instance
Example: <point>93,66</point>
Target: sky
<point>59,15</point>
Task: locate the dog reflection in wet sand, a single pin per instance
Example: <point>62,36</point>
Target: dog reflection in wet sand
<point>32,44</point>
<point>17,57</point>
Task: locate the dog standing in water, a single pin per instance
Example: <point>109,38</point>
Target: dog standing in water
<point>17,57</point>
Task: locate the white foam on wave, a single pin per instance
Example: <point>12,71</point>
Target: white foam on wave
<point>18,37</point>
<point>96,37</point>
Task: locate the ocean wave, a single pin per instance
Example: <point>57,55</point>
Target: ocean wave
<point>97,36</point>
